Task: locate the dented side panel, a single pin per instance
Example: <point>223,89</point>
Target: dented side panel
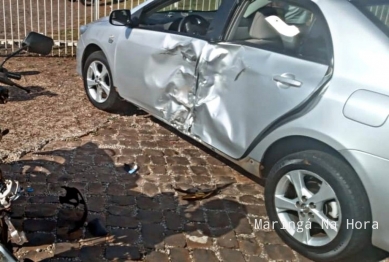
<point>237,98</point>
<point>160,73</point>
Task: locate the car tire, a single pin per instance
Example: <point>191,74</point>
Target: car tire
<point>335,195</point>
<point>98,84</point>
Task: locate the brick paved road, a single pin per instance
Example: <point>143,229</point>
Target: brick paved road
<point>145,218</point>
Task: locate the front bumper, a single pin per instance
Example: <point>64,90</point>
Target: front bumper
<point>79,54</point>
<point>374,174</point>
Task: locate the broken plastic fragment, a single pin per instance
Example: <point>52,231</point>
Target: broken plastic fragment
<point>29,190</point>
<point>197,193</point>
<point>131,168</point>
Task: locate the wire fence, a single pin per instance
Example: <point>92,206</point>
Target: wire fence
<point>59,19</point>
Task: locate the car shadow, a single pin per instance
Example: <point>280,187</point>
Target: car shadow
<point>142,212</point>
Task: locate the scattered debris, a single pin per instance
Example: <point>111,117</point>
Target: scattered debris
<point>73,197</point>
<point>197,193</point>
<point>201,240</point>
<point>131,168</point>
<point>96,228</point>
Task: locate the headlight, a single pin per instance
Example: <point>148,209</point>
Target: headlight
<point>83,28</point>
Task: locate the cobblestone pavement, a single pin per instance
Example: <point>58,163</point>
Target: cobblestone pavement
<point>145,218</point>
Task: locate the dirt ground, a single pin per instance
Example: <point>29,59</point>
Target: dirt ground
<point>56,108</point>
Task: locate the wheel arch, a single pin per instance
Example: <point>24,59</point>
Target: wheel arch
<point>91,48</point>
<point>292,144</point>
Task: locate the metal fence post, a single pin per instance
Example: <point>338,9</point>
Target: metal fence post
<point>97,7</point>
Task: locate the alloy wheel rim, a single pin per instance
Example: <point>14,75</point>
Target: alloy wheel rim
<point>307,208</point>
<point>98,82</point>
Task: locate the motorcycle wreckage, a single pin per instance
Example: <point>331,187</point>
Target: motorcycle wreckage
<point>10,190</point>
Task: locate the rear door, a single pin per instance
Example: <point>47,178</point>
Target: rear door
<point>248,85</point>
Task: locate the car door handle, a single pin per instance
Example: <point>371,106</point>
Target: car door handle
<point>287,79</point>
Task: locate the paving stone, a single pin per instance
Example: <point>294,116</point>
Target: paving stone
<point>240,223</point>
<point>158,160</point>
<point>123,200</point>
<point>17,211</point>
<point>40,210</point>
<point>94,253</point>
<point>172,220</point>
<point>213,204</point>
<point>96,189</point>
<point>118,221</point>
<point>96,204</point>
<point>228,240</point>
<point>150,189</point>
<point>125,236</point>
<point>217,219</point>
<point>153,235</point>
<point>202,255</point>
<point>120,211</point>
<point>156,256</point>
<point>230,255</point>
<point>157,170</point>
<point>199,170</point>
<point>179,255</point>
<point>175,239</point>
<point>268,237</point>
<point>197,161</point>
<point>203,179</point>
<point>153,152</point>
<point>279,252</point>
<point>149,216</point>
<point>33,225</point>
<point>251,200</point>
<point>43,199</point>
<point>176,160</point>
<point>144,202</point>
<point>116,190</point>
<point>167,201</point>
<point>195,215</point>
<point>255,210</point>
<point>257,259</point>
<point>250,189</point>
<point>249,246</point>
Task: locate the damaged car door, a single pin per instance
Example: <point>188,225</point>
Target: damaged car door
<point>161,54</point>
<point>267,68</point>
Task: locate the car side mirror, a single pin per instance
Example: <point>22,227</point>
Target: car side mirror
<point>122,17</point>
<point>38,43</point>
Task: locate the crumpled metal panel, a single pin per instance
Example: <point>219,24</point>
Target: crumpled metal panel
<point>163,78</point>
<point>237,97</point>
<point>178,82</point>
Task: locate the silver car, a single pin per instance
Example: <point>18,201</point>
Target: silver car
<point>293,91</point>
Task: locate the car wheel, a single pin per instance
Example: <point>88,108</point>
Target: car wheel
<point>99,85</point>
<point>311,198</point>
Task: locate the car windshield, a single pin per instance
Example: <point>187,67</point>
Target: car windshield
<point>377,11</point>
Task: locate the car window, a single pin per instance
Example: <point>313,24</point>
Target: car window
<point>282,27</point>
<point>376,11</point>
<point>184,16</point>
